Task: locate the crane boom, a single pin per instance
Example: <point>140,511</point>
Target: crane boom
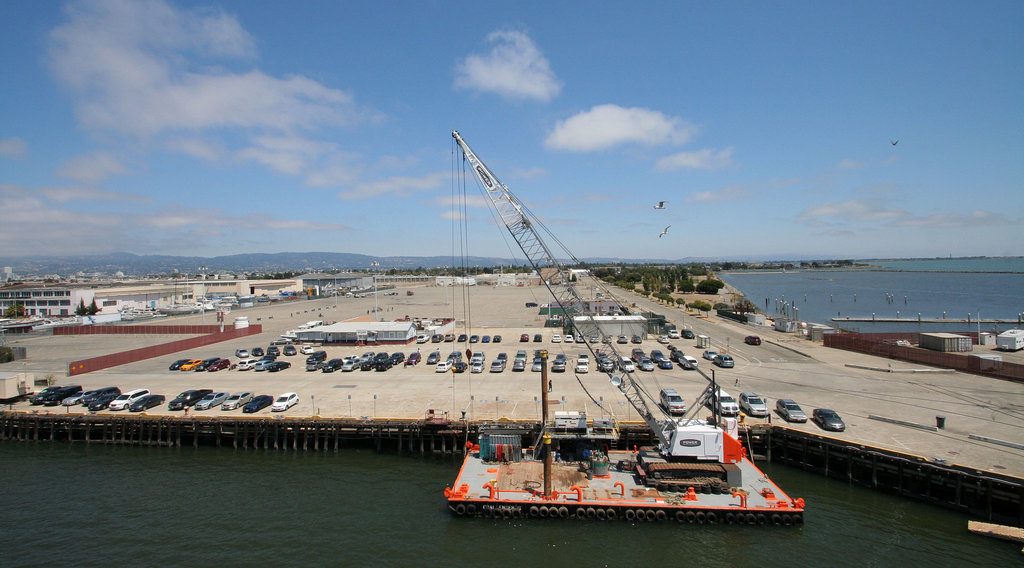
<point>522,229</point>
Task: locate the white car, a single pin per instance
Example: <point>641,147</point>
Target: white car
<point>674,334</point>
<point>556,338</point>
<point>307,350</point>
<point>443,366</point>
<point>710,355</point>
<point>626,364</point>
<point>350,364</point>
<point>663,339</point>
<point>246,364</point>
<point>690,361</point>
<point>569,338</point>
<point>579,338</point>
<point>583,364</point>
<point>242,353</point>
<point>237,400</point>
<point>284,402</point>
<point>122,402</point>
<point>478,367</point>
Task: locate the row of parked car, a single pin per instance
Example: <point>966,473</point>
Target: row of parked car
<point>754,405</point>
<point>138,400</point>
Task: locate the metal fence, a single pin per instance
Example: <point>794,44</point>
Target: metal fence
<point>885,345</point>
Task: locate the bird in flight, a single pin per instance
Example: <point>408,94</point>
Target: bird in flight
<point>894,142</point>
<point>660,205</point>
<point>665,232</point>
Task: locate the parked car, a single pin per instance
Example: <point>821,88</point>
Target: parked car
<point>638,353</point>
<point>672,402</point>
<point>237,400</point>
<point>558,365</point>
<point>537,338</point>
<point>663,339</point>
<point>258,403</point>
<point>724,361</point>
<point>262,364</point>
<point>622,339</point>
<point>433,358</point>
<point>570,338</point>
<point>436,338</point>
<point>709,355</point>
<point>605,365</point>
<point>626,365</point>
<point>664,364</point>
<point>307,349</point>
<point>556,338</point>
<point>314,364</point>
<point>212,399</point>
<point>474,338</point>
<point>245,364</point>
<point>524,338</point>
<point>54,397</point>
<point>276,366</point>
<point>206,364</point>
<point>463,338</point>
<point>449,337</point>
<point>91,396</point>
<point>828,419</point>
<point>519,365</point>
<point>190,365</point>
<point>726,402</point>
<point>146,402</point>
<point>673,334</point>
<point>397,357</point>
<point>332,365</point>
<point>218,365</point>
<point>645,364</point>
<point>753,405</point>
<point>443,366</point>
<point>284,402</point>
<point>583,363</point>
<point>256,352</point>
<point>125,399</point>
<point>538,365</point>
<point>459,367</point>
<point>496,339</point>
<point>498,365</point>
<point>688,334</point>
<point>688,362</point>
<point>477,367</point>
<point>103,401</point>
<point>789,410</point>
<point>657,356</point>
<point>637,339</point>
<point>175,366</point>
<point>242,353</point>
<point>752,340</point>
<point>76,398</point>
<point>531,304</point>
<point>187,398</point>
<point>413,359</point>
<point>290,350</point>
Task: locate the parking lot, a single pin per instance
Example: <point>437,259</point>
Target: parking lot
<point>783,366</point>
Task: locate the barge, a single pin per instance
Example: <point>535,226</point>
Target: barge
<point>584,480</point>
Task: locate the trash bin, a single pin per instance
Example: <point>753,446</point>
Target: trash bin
<point>940,422</point>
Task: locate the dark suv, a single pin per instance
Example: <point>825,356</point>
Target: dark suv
<point>188,398</point>
<point>100,393</point>
<point>54,397</point>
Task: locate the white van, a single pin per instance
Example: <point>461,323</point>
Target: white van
<point>122,402</point>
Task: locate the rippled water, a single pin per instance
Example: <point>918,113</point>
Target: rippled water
<point>78,505</point>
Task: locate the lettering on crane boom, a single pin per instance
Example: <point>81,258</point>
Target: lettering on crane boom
<point>484,176</point>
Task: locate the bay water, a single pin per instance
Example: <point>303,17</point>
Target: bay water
<point>956,289</point>
<point>71,504</point>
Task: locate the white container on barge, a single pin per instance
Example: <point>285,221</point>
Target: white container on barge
<point>1010,340</point>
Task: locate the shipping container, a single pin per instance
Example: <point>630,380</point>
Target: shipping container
<point>1010,340</point>
<point>945,342</point>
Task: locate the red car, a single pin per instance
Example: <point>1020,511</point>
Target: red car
<point>524,338</point>
<point>752,340</point>
<point>218,365</point>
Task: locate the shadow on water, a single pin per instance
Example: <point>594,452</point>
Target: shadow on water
<point>208,506</point>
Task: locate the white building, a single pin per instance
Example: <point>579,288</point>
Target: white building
<point>361,331</point>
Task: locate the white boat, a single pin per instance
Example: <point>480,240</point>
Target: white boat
<point>180,309</point>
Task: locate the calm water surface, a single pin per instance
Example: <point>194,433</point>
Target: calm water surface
<point>78,505</point>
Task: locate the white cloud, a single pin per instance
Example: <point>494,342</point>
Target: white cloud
<point>286,154</point>
<point>976,218</point>
<point>13,148</point>
<point>135,68</point>
<point>608,125</point>
<point>848,164</point>
<point>529,173</point>
<point>514,68</point>
<point>705,159</point>
<point>723,194</point>
<point>64,194</point>
<point>91,168</point>
<point>469,201</point>
<point>197,148</point>
<point>398,185</point>
<point>873,210</point>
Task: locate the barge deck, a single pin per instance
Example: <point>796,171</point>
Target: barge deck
<point>515,490</point>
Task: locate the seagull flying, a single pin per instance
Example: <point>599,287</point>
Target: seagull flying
<point>894,142</point>
<point>660,205</point>
<point>665,232</point>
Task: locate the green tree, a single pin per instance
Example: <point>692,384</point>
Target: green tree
<point>15,310</point>
<point>81,310</point>
<point>710,286</point>
<point>700,305</point>
<point>93,308</point>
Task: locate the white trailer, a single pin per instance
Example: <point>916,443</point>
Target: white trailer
<point>1010,340</point>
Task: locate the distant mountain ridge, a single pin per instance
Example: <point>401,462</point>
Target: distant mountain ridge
<point>138,265</point>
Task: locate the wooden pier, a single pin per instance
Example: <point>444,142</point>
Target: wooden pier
<point>983,494</point>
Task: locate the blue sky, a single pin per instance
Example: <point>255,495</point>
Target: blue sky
<point>200,128</point>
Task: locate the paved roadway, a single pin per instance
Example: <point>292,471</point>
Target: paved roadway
<point>784,366</point>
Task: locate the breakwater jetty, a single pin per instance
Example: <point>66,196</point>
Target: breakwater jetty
<point>984,494</point>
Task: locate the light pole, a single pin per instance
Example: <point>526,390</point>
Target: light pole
<point>376,308</point>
